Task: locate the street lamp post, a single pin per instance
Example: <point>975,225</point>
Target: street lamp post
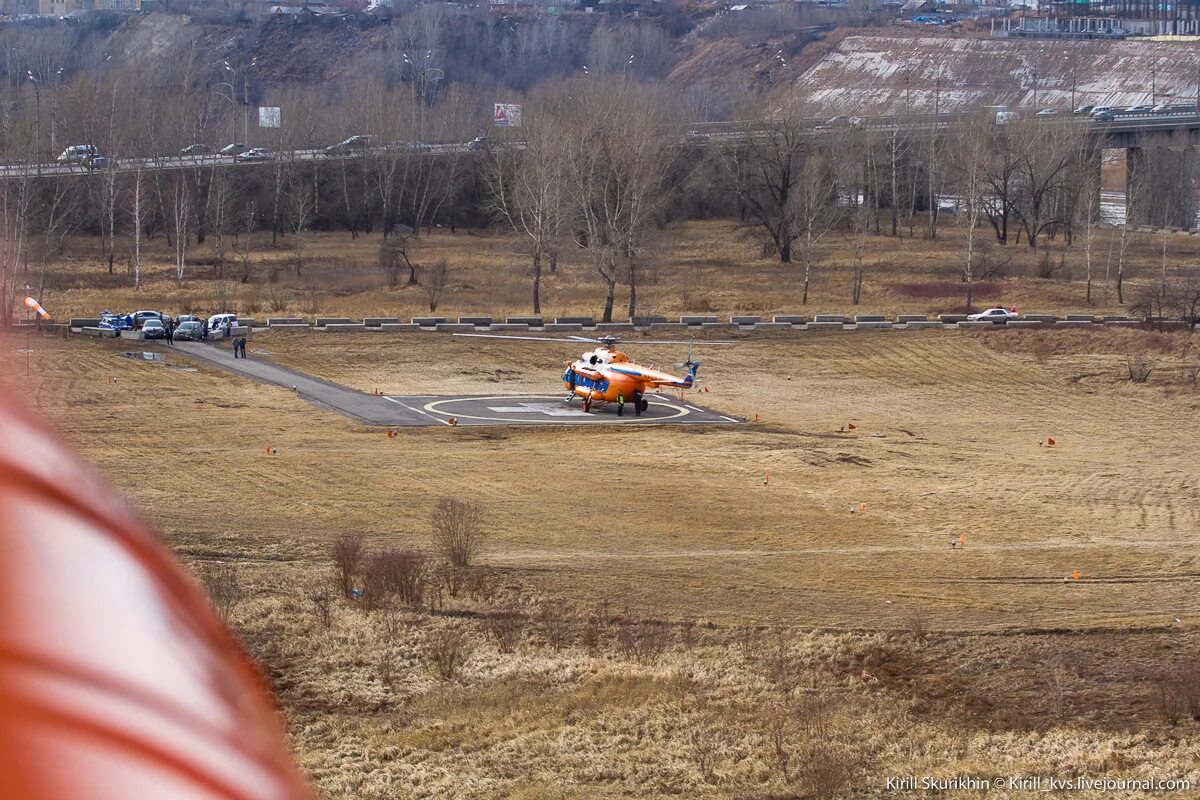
<point>37,125</point>
<point>245,104</point>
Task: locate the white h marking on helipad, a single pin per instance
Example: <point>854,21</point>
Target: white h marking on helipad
<point>549,409</point>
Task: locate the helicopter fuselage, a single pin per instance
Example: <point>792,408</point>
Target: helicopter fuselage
<point>605,375</point>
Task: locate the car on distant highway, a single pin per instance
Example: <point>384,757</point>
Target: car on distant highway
<point>233,149</point>
<point>1103,116</point>
<point>190,329</point>
<point>698,137</point>
<point>1047,112</point>
<point>154,329</point>
<point>998,315</point>
<point>1084,110</point>
<point>196,150</point>
<point>1102,110</point>
<point>478,143</point>
<point>79,154</point>
<point>355,144</point>
<point>1138,109</point>
<point>255,154</point>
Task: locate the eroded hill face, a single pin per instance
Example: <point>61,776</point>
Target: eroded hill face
<point>875,72</point>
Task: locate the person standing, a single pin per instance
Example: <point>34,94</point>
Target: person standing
<point>637,403</point>
<point>171,333</point>
<point>620,404</point>
<point>242,344</point>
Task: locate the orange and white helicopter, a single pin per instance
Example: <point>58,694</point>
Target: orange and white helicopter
<point>606,375</point>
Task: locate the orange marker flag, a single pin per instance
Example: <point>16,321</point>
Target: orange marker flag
<point>1075,575</point>
<point>1049,442</point>
<point>851,426</point>
<point>862,508</point>
<point>962,540</point>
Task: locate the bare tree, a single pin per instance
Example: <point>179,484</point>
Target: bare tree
<point>526,186</point>
<point>437,279</point>
<point>1087,210</point>
<point>181,214</point>
<point>458,530</point>
<point>970,154</point>
<point>222,581</point>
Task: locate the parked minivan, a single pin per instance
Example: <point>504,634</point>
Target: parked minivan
<point>79,154</point>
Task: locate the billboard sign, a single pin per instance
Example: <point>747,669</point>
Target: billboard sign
<point>507,115</point>
<point>270,117</point>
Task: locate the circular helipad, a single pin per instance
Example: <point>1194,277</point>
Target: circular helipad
<point>555,410</point>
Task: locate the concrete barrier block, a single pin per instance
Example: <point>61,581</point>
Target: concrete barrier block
<point>586,322</point>
<point>285,326</point>
<point>135,335</point>
<point>1124,323</point>
<point>375,322</point>
<point>615,327</point>
<point>790,319</point>
<point>85,322</point>
<point>103,333</point>
<point>720,327</point>
<point>838,318</point>
<point>744,320</point>
<point>399,327</point>
<point>533,322</point>
<point>872,324</point>
<point>562,327</point>
<point>478,322</point>
<point>976,323</point>
<point>951,318</point>
<point>427,322</point>
<point>1115,318</point>
<point>321,322</point>
<point>1171,323</point>
<point>285,321</point>
<point>344,327</point>
<point>1081,317</point>
<point>774,326</point>
<point>824,325</point>
<point>1074,323</point>
<point>869,318</point>
<point>918,324</point>
<point>509,327</point>
<point>697,319</point>
<point>1040,317</point>
<point>1028,323</point>
<point>454,327</point>
<point>912,318</point>
<point>646,321</point>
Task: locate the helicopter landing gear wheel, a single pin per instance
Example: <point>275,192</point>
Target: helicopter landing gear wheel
<point>645,405</point>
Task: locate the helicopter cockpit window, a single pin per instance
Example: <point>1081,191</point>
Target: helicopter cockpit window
<point>594,359</point>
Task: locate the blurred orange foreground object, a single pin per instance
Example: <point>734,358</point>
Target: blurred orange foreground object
<point>116,680</point>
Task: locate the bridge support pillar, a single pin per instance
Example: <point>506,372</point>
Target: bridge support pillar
<point>1160,186</point>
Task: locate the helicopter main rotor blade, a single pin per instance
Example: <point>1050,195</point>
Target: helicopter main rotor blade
<point>524,338</point>
<point>677,342</point>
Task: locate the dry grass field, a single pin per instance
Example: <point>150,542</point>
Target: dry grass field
<point>649,619</point>
<point>699,267</point>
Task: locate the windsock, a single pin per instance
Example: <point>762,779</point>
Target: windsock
<point>36,306</point>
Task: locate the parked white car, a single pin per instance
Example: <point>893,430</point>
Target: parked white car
<point>998,315</point>
<point>217,321</point>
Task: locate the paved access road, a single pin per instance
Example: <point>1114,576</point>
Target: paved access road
<point>441,409</point>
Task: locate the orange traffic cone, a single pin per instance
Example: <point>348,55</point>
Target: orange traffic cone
<point>1049,442</point>
<point>1075,575</point>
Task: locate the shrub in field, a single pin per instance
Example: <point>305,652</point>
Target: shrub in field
<point>458,531</point>
<point>823,768</point>
<point>446,651</point>
<point>398,573</point>
<point>554,624</point>
<point>222,581</point>
<point>505,627</point>
<point>1137,363</point>
<point>347,553</point>
<point>1178,694</point>
<point>323,609</point>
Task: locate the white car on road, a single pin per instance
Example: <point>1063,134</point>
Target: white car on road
<point>998,315</point>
